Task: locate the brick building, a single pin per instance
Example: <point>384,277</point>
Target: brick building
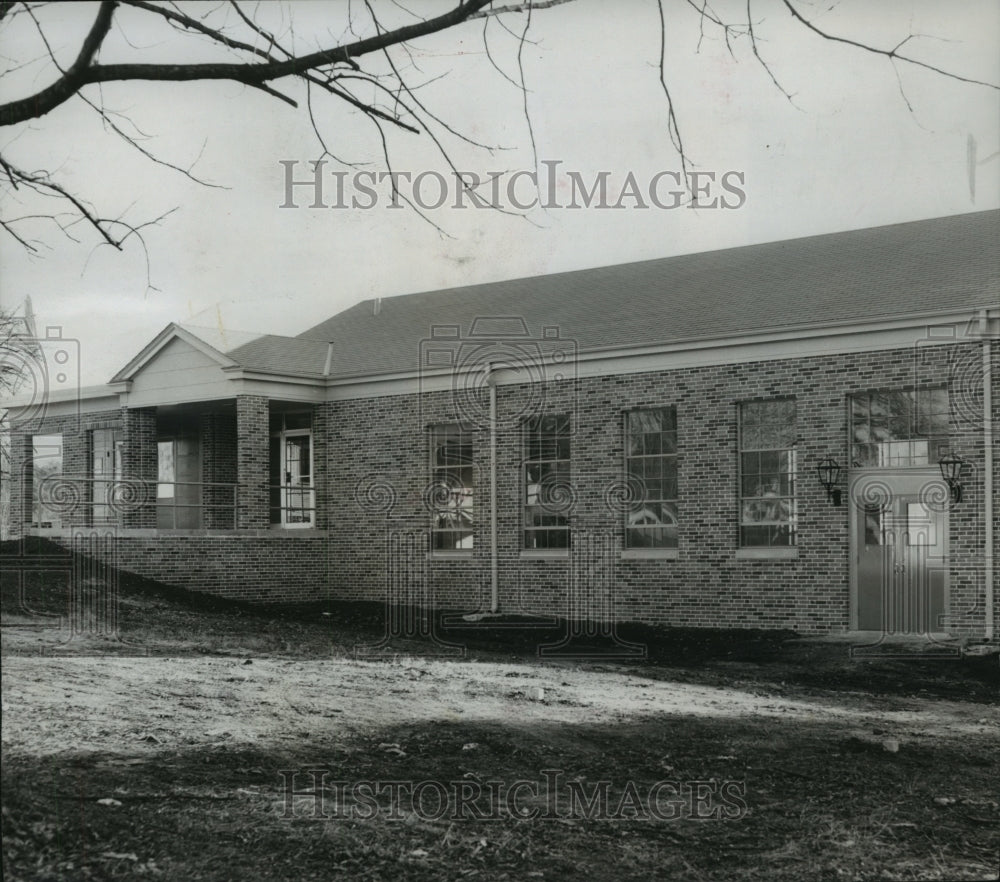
<point>799,435</point>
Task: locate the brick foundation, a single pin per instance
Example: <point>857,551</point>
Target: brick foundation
<point>259,567</point>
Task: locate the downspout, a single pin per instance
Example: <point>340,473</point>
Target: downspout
<point>984,326</point>
<point>491,383</point>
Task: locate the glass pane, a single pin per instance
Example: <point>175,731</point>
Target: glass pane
<point>873,527</point>
<point>546,470</point>
<point>770,462</point>
<point>165,470</point>
<point>46,463</point>
<point>938,402</point>
<point>767,536</point>
<point>669,485</point>
<point>865,455</point>
<point>452,473</point>
<point>784,428</point>
<point>651,537</point>
<point>899,426</point>
<point>920,525</point>
<point>766,510</point>
<point>297,460</point>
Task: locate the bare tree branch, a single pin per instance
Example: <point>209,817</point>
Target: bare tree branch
<point>519,7</point>
<point>257,75</point>
<point>270,58</point>
<point>74,78</point>
<point>891,54</point>
<point>673,128</point>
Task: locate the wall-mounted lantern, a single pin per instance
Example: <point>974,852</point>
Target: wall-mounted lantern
<point>829,471</point>
<point>951,471</point>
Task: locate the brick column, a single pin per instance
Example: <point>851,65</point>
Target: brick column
<point>217,433</point>
<point>140,465</point>
<point>252,462</point>
<point>76,466</point>
<point>20,483</point>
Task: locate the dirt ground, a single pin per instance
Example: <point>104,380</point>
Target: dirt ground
<point>213,743</point>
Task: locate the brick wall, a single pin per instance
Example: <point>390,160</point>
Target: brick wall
<point>217,441</point>
<point>371,473</point>
<point>252,463</point>
<point>377,492</point>
<point>257,566</point>
<point>74,496</point>
<point>139,463</point>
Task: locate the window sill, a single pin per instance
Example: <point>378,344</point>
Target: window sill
<point>450,555</point>
<point>545,554</point>
<point>651,554</point>
<point>790,552</point>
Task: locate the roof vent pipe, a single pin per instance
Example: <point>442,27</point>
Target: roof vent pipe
<point>329,359</point>
<point>376,306</point>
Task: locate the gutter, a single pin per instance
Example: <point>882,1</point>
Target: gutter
<point>806,331</point>
<point>491,383</point>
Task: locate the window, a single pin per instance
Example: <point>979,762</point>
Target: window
<point>903,427</point>
<point>651,466</point>
<point>292,493</point>
<point>46,467</point>
<point>452,488</point>
<point>547,490</point>
<point>178,484</point>
<point>166,473</point>
<point>767,473</point>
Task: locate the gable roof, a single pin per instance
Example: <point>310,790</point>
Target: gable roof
<point>859,276</point>
<point>264,353</point>
<point>160,342</point>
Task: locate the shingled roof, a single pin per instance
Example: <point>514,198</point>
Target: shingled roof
<point>274,354</point>
<point>863,275</point>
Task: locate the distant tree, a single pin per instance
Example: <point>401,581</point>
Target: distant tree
<point>18,353</point>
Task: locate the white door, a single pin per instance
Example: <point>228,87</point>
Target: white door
<point>297,492</point>
<point>899,552</point>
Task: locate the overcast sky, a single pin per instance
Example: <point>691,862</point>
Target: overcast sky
<point>846,152</point>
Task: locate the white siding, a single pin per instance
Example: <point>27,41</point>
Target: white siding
<point>179,373</point>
